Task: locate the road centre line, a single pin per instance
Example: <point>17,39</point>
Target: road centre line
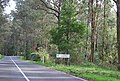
<point>20,70</point>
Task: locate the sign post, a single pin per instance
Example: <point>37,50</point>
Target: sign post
<point>63,56</point>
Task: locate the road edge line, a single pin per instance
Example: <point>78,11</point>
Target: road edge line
<point>19,69</point>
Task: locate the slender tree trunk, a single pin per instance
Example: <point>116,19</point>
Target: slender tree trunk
<point>96,30</point>
<point>103,36</point>
<point>67,35</point>
<point>118,29</point>
<point>88,20</point>
<point>25,43</point>
<point>58,17</point>
<point>92,32</point>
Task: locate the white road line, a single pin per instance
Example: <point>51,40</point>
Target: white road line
<point>20,70</point>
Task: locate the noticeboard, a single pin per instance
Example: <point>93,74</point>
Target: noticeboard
<point>62,55</point>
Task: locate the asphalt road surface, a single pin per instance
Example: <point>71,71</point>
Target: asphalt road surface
<point>13,69</point>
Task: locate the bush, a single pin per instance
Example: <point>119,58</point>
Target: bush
<point>34,56</point>
<point>46,56</point>
<point>30,55</point>
<point>1,56</point>
<point>38,56</point>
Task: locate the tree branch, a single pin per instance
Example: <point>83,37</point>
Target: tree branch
<point>54,4</point>
<point>115,1</point>
<point>49,12</point>
<point>111,7</point>
<point>45,4</point>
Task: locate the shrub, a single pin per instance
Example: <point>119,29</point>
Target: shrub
<point>34,56</point>
<point>46,56</point>
<point>1,56</point>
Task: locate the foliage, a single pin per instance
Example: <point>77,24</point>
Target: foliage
<point>30,23</point>
<point>45,55</point>
<point>1,56</point>
<point>69,31</point>
<point>34,56</point>
<point>38,56</point>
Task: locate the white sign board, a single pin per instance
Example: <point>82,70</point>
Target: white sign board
<point>62,55</point>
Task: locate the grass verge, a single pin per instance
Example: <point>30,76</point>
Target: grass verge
<point>88,71</point>
<point>1,56</point>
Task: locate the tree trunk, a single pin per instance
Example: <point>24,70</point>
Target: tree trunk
<point>118,29</point>
<point>93,32</point>
<point>88,21</point>
<point>103,36</point>
<point>96,24</point>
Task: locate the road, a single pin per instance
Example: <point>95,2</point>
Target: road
<point>13,69</point>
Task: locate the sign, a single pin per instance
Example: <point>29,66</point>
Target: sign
<point>62,55</point>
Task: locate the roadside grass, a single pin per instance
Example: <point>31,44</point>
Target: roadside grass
<point>21,57</point>
<point>88,71</point>
<point>1,56</point>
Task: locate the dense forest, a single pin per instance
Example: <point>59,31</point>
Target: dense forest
<point>88,30</point>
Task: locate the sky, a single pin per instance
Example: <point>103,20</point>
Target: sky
<point>12,5</point>
<point>114,7</point>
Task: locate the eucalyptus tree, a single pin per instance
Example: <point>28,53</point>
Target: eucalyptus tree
<point>3,22</point>
<point>118,29</point>
<point>51,7</point>
<point>23,22</point>
<point>34,25</point>
<point>33,20</point>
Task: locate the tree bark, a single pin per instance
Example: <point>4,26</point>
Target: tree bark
<point>118,29</point>
<point>103,38</point>
<point>92,32</point>
<point>96,24</point>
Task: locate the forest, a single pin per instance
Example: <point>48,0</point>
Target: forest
<point>88,30</point>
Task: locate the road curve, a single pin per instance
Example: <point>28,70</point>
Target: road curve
<point>13,69</point>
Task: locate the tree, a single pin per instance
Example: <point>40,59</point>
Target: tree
<point>50,7</point>
<point>33,19</point>
<point>3,22</point>
<point>118,29</point>
<point>67,35</point>
<point>92,31</point>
